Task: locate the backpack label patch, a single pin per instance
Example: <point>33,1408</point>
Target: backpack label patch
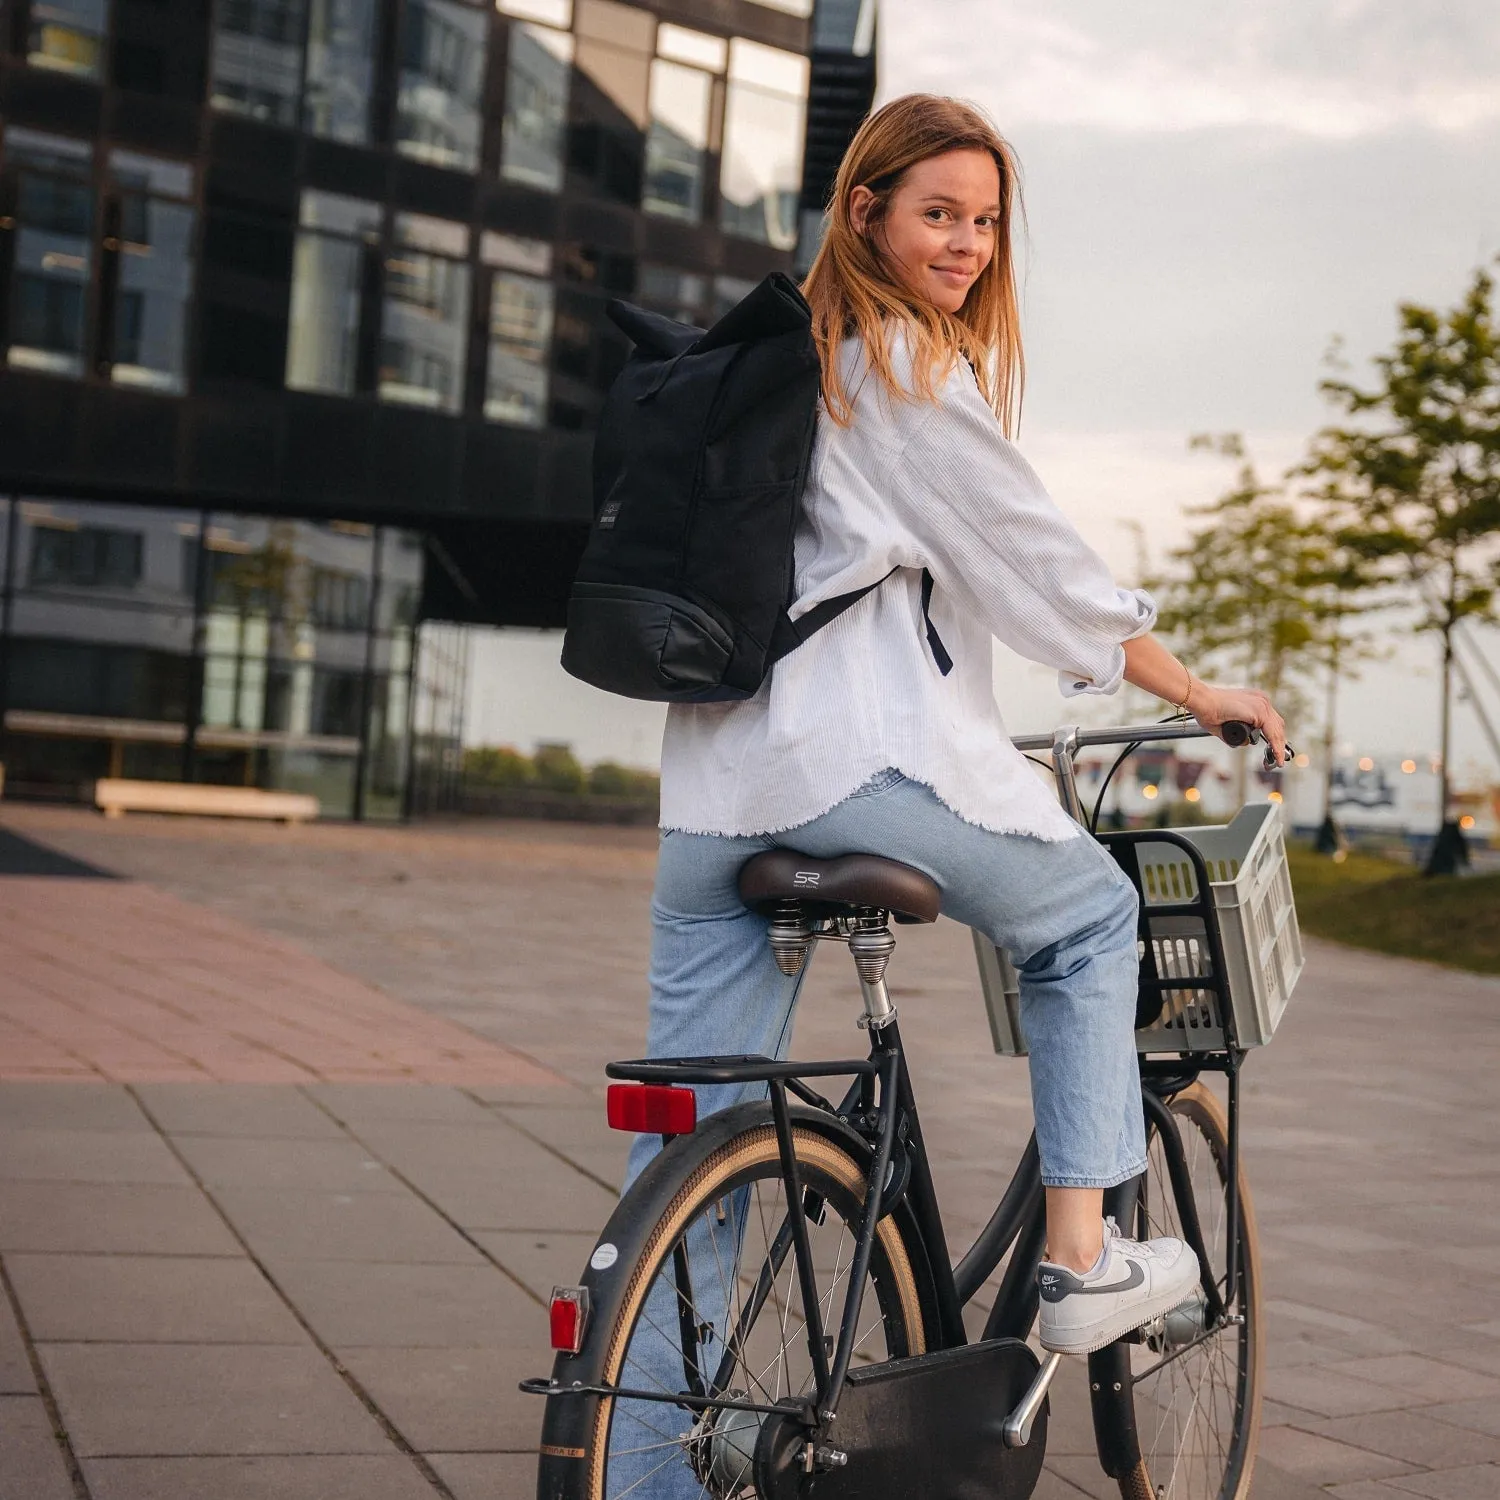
<point>608,514</point>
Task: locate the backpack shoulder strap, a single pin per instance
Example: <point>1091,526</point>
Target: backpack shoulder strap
<point>790,633</point>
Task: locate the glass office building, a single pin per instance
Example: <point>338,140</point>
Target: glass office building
<point>302,339</point>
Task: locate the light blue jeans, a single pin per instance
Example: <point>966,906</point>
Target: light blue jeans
<point>1065,913</point>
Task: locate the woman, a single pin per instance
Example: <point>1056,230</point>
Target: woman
<point>863,740</point>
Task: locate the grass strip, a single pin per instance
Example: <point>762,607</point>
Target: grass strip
<point>1392,908</point>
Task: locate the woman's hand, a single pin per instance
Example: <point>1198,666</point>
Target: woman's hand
<point>1215,706</point>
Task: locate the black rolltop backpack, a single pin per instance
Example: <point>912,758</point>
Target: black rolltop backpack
<point>699,466</point>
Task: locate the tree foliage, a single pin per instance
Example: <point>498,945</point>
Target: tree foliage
<point>1411,478</point>
<point>1260,593</point>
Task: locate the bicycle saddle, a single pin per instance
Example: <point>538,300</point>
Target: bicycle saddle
<point>830,887</point>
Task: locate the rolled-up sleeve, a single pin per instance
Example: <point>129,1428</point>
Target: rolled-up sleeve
<point>990,534</point>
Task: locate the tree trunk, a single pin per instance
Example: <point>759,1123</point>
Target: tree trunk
<point>1449,853</point>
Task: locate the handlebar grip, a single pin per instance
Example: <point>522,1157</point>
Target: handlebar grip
<point>1237,734</point>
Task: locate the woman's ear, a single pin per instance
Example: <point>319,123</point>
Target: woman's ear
<point>861,200</point>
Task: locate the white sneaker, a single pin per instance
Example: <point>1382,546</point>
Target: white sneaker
<point>1129,1284</point>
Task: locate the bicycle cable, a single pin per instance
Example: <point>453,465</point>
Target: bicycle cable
<point>1120,760</point>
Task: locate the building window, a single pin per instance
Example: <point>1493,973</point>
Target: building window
<point>520,342</point>
<point>425,328</point>
<point>677,145</point>
<point>340,69</point>
<point>84,557</point>
<point>761,172</point>
<point>536,106</point>
<point>68,35</point>
<point>443,46</point>
<point>54,246</point>
<point>337,236</point>
<point>256,66</point>
<point>675,294</point>
<point>340,600</point>
<point>154,270</point>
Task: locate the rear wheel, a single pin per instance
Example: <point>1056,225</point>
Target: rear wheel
<point>713,1306</point>
<point>1197,1391</point>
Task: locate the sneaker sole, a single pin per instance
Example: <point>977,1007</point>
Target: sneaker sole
<point>1094,1336</point>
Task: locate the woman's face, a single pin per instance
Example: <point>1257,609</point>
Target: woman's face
<point>940,226</point>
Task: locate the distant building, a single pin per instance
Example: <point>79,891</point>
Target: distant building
<point>301,312</point>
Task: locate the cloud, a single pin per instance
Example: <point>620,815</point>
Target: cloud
<point>1337,70</point>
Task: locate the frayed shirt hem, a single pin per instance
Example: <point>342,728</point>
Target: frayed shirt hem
<point>1013,828</point>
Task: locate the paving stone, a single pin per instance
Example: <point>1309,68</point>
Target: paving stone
<point>308,1166</point>
<point>1315,1389</point>
<point>95,1105</point>
<point>487,1476</point>
<point>486,1178</point>
<point>268,1111</point>
<point>415,1307</point>
<point>1420,1378</point>
<point>1270,1483</point>
<point>1480,1416</point>
<point>1320,1460</point>
<point>446,1399</point>
<point>15,1366</point>
<point>204,1399</point>
<point>1412,1436</point>
<point>1051,1486</point>
<point>56,1155</point>
<point>1085,1475</point>
<point>149,1299</point>
<point>98,1218</point>
<point>433,1104</point>
<point>343,1226</point>
<point>1366,1489</point>
<point>343,1477</point>
<point>1481,1482</point>
<point>579,1132</point>
<point>541,1259</point>
<point>32,1466</point>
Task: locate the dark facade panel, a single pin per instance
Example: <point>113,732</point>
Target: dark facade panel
<point>50,101</point>
<point>453,352</point>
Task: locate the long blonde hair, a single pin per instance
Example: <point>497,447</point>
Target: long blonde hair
<point>851,288</point>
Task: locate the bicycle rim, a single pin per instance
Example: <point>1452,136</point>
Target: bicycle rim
<point>1197,1393</point>
<point>742,1316</point>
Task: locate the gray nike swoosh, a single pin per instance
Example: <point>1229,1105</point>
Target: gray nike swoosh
<point>1135,1278</point>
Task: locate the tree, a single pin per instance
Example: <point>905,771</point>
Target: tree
<point>1412,481</point>
<point>1255,593</point>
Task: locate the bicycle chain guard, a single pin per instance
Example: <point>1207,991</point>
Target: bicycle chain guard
<point>929,1425</point>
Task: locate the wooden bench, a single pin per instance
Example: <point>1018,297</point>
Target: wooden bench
<point>116,797</point>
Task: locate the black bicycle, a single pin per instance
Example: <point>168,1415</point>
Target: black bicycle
<point>771,1311</point>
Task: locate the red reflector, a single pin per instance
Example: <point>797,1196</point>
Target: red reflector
<point>652,1108</point>
<point>570,1315</point>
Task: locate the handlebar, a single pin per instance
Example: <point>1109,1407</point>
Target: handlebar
<point>1064,743</point>
<point>1235,734</point>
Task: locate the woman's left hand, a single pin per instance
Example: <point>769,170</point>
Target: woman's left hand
<point>1214,706</point>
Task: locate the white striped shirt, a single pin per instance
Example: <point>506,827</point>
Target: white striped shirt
<point>909,485</point>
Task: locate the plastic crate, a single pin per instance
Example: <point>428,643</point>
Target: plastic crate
<point>1257,924</point>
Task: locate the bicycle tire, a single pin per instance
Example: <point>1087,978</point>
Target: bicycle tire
<point>1190,1446</point>
<point>695,1175</point>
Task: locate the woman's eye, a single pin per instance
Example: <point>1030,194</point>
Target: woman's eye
<point>936,215</point>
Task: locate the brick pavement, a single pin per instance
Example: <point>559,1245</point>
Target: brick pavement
<point>311,1287</point>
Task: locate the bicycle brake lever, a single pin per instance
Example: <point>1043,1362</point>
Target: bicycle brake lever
<point>1237,734</point>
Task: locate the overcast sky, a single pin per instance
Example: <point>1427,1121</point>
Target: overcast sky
<point>1213,193</point>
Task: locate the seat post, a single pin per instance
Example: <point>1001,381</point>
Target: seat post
<point>872,944</point>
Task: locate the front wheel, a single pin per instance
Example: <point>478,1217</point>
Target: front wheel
<point>1197,1390</point>
<point>706,1301</point>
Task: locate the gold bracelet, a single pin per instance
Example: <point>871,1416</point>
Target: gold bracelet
<point>1187,693</point>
